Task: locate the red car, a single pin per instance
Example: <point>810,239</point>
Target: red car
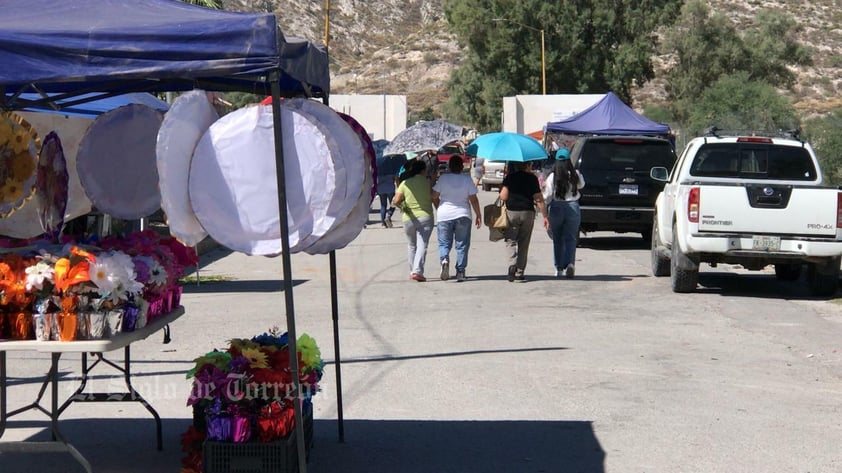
<point>455,148</point>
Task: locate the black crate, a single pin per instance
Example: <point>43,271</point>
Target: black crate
<point>280,456</point>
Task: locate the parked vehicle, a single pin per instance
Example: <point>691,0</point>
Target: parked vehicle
<point>619,194</point>
<point>493,173</point>
<point>747,200</point>
<point>445,152</point>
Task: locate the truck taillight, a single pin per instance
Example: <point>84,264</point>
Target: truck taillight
<point>839,210</point>
<point>693,205</point>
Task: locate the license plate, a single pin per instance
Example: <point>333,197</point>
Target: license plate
<point>766,243</point>
<point>628,189</point>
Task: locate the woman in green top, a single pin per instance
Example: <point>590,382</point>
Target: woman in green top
<point>413,197</point>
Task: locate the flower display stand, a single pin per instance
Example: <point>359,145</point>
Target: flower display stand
<point>280,456</point>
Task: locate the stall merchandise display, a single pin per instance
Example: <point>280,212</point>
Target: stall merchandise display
<point>18,159</point>
<point>244,395</point>
<point>72,292</point>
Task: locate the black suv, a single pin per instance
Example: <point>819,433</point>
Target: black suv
<point>619,195</point>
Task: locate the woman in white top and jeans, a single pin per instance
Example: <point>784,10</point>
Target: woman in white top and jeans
<point>454,195</point>
<point>561,192</point>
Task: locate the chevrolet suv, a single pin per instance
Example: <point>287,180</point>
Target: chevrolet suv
<point>619,195</point>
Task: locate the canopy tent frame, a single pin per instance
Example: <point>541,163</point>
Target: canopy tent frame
<point>311,80</point>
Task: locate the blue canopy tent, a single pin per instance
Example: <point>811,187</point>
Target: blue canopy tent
<point>609,116</point>
<point>94,108</point>
<point>111,47</point>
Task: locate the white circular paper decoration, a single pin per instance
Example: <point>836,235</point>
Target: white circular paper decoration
<point>233,184</point>
<point>116,162</point>
<point>346,230</point>
<point>346,151</point>
<point>188,118</point>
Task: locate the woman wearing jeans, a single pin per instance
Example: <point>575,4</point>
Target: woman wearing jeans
<point>414,199</point>
<point>454,195</point>
<point>561,192</point>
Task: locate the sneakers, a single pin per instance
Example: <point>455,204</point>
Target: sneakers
<point>417,277</point>
<point>388,223</point>
<point>557,272</point>
<point>512,271</point>
<point>570,271</point>
<point>445,269</point>
<point>460,276</point>
<point>519,276</point>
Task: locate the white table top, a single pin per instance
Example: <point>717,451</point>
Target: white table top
<point>92,346</point>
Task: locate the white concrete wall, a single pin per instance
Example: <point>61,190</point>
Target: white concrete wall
<point>528,113</point>
<point>382,116</point>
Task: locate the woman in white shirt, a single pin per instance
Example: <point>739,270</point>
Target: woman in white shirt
<point>454,195</point>
<point>561,193</point>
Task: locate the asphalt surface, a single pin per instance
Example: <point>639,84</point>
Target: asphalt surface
<point>608,372</point>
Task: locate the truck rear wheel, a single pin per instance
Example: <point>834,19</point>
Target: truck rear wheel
<point>660,263</point>
<point>823,278</point>
<point>787,271</point>
<point>684,270</point>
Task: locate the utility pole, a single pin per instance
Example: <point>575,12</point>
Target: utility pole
<point>327,24</point>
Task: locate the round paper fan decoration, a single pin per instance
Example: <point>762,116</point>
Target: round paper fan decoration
<point>51,187</point>
<point>346,230</point>
<point>18,159</point>
<point>116,162</point>
<point>346,152</point>
<point>188,118</point>
<point>233,185</point>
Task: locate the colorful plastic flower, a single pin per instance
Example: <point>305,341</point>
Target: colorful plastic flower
<point>256,358</point>
<point>309,352</point>
<point>38,274</point>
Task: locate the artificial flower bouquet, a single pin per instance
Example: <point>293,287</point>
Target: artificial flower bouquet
<point>74,291</point>
<point>245,393</point>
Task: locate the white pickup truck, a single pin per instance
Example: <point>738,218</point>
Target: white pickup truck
<point>747,200</point>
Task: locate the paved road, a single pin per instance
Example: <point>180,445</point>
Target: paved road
<point>609,372</point>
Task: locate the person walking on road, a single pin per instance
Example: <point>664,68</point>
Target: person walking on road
<point>414,198</point>
<point>561,193</point>
<point>477,170</point>
<point>386,192</point>
<point>521,193</point>
<point>454,195</point>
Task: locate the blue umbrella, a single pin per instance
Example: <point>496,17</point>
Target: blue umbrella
<point>507,146</point>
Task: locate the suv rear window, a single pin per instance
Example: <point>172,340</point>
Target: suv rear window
<point>620,154</point>
<point>755,161</point>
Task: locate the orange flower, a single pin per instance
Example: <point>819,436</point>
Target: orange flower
<point>73,270</point>
<point>7,275</point>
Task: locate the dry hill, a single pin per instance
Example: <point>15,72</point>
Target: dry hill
<point>403,46</point>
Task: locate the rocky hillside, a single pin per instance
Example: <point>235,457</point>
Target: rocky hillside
<point>403,46</point>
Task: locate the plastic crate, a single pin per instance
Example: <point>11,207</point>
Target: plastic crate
<point>280,456</point>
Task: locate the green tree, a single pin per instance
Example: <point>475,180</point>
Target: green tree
<point>215,4</point>
<point>823,133</point>
<point>706,46</point>
<point>736,102</point>
<point>590,47</point>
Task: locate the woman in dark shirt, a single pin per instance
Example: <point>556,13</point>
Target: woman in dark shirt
<point>521,192</point>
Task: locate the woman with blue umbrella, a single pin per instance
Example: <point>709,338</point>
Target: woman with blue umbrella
<point>520,191</point>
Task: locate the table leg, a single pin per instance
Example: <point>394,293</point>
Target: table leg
<point>137,397</point>
<point>2,393</point>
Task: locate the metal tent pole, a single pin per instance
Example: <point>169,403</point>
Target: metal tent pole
<point>334,293</point>
<point>287,268</point>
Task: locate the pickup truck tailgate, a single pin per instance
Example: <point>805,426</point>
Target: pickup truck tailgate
<point>768,209</point>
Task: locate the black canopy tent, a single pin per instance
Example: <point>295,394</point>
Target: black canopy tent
<point>103,48</point>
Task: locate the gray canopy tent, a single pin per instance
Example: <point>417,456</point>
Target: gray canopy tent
<point>73,52</point>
